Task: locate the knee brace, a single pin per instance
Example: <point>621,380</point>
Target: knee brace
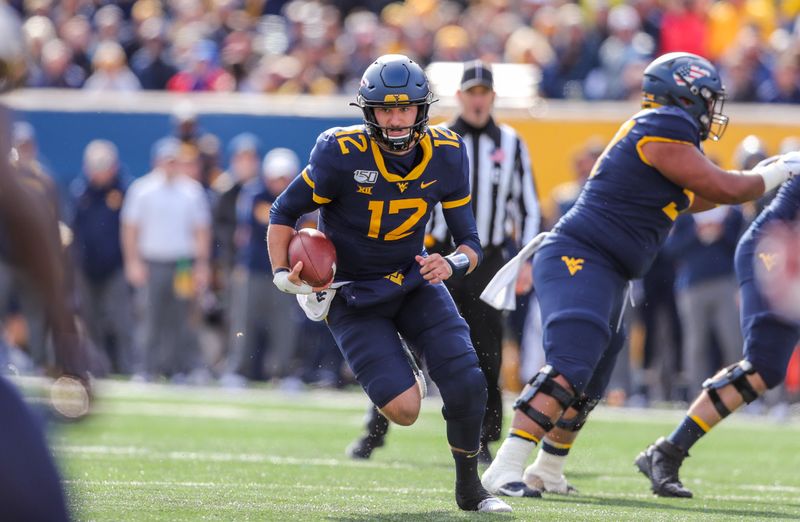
<point>736,375</point>
<point>583,405</point>
<point>543,382</point>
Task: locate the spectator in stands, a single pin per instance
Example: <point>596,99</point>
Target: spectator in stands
<point>105,295</point>
<point>263,319</point>
<point>57,68</point>
<point>626,45</point>
<point>728,18</point>
<point>111,72</point>
<point>575,55</point>
<point>745,67</point>
<point>316,48</point>
<point>166,245</point>
<point>152,63</point>
<point>784,84</point>
<point>684,27</point>
<point>201,71</point>
<point>242,168</point>
<point>77,34</point>
<point>702,246</point>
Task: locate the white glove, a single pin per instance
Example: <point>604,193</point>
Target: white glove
<point>281,280</point>
<point>777,169</point>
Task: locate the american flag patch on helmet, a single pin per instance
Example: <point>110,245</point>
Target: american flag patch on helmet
<point>689,74</point>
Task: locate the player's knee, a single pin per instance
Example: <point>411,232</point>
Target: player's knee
<point>462,385</point>
<point>766,377</point>
<point>575,340</point>
<point>404,409</point>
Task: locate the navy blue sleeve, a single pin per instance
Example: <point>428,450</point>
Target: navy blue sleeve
<point>316,185</point>
<point>458,214</point>
<point>293,203</point>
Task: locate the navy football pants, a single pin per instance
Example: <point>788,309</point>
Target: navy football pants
<point>581,297</point>
<point>428,320</point>
<point>30,488</point>
<point>769,339</point>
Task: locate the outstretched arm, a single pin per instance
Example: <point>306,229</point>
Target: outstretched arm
<point>686,166</point>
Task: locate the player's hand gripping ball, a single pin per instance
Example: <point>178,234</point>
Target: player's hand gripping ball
<point>317,253</point>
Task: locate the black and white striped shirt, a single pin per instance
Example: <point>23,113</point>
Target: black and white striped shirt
<point>504,197</point>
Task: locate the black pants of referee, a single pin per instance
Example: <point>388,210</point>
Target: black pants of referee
<point>486,330</point>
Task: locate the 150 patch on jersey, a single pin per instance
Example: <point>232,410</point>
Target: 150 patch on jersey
<point>366,176</point>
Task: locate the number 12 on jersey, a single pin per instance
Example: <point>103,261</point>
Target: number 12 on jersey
<point>418,206</point>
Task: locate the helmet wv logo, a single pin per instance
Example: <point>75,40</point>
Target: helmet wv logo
<point>689,74</point>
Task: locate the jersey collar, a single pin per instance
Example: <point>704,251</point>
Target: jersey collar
<point>416,172</point>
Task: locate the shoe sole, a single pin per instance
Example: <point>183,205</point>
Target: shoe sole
<point>523,492</point>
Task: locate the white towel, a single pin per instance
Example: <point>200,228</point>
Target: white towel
<point>499,293</point>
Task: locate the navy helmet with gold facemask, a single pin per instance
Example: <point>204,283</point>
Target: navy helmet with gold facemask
<point>394,80</point>
<point>690,82</point>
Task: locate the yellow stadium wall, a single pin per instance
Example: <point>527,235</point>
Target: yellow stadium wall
<point>552,143</point>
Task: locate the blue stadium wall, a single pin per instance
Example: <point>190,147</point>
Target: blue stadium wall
<point>62,136</point>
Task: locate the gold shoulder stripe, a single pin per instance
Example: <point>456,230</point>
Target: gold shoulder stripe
<point>307,178</point>
<point>457,203</point>
<point>319,199</point>
<point>654,139</point>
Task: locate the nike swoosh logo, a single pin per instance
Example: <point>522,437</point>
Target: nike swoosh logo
<point>426,184</point>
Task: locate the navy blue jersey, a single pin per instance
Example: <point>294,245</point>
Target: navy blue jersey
<point>784,207</point>
<point>375,205</point>
<point>627,207</point>
<point>96,224</point>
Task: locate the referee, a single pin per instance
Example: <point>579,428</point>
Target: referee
<point>507,213</point>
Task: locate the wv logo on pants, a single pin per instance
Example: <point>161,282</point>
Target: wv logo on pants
<point>573,264</point>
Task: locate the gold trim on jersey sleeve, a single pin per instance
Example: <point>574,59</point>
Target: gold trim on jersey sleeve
<point>416,172</point>
<point>655,139</point>
<point>457,203</point>
<point>316,197</point>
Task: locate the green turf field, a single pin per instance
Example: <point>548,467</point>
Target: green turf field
<point>164,453</point>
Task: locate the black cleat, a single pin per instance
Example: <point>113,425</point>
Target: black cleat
<point>484,456</point>
<point>474,497</point>
<point>377,426</point>
<point>362,448</point>
<point>660,463</point>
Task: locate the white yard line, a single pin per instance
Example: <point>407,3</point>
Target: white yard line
<point>393,490</point>
<point>257,485</point>
<point>197,456</point>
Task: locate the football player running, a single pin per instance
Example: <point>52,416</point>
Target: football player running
<point>376,185</point>
<point>652,170</point>
<point>770,335</point>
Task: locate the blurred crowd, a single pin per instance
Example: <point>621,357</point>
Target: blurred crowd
<point>585,49</point>
<point>169,272</point>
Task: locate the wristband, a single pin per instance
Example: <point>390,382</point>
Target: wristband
<point>459,263</point>
<point>280,269</point>
<point>773,176</point>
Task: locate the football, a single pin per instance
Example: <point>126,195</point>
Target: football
<point>316,252</point>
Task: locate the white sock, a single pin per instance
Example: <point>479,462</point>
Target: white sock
<point>549,464</point>
<point>509,462</point>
